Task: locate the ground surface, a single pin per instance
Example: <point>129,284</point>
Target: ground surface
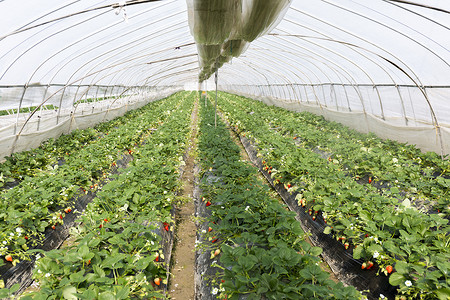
<point>182,283</point>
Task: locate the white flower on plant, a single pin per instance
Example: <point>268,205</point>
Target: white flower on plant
<point>408,283</point>
<point>19,230</point>
<point>11,234</point>
<point>382,296</point>
<point>47,274</point>
<point>203,231</point>
<point>246,209</point>
<point>5,242</point>
<point>376,254</point>
<point>39,271</point>
<point>214,291</point>
<point>395,160</point>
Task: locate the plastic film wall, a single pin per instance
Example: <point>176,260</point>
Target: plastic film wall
<point>68,65</point>
<point>381,66</point>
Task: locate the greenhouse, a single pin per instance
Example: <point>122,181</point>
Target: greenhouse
<point>225,149</point>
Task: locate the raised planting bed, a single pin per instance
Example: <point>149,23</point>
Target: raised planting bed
<point>377,225</point>
<point>122,246</point>
<point>254,247</point>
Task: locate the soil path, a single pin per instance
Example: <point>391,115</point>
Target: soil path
<point>182,284</point>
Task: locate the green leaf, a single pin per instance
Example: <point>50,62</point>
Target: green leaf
<point>69,292</point>
<point>443,294</point>
<point>327,230</point>
<point>396,279</point>
<point>106,296</point>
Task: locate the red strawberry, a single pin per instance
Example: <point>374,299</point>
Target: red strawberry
<point>60,216</point>
<point>67,210</point>
<point>214,240</point>
<point>53,227</point>
<point>166,227</point>
<point>8,258</point>
<point>363,266</point>
<point>101,225</point>
<point>26,237</point>
<point>389,269</point>
<point>208,203</point>
<point>157,257</point>
<point>370,179</point>
<point>209,229</point>
<point>157,281</point>
<point>106,220</point>
<point>369,265</point>
<point>289,185</point>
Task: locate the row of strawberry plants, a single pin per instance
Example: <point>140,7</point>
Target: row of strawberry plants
<point>421,177</point>
<point>371,225</point>
<point>43,200</point>
<point>256,243</point>
<point>56,151</point>
<point>117,251</point>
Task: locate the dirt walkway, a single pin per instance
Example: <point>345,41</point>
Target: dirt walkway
<point>182,283</point>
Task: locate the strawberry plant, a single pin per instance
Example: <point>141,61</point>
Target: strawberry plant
<point>116,252</point>
<point>262,251</point>
<point>380,221</point>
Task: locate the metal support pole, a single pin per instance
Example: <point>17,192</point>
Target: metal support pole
<point>215,103</point>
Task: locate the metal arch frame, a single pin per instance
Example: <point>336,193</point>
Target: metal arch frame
<point>295,75</point>
<point>358,92</point>
<point>238,72</point>
<point>331,68</point>
<point>312,72</point>
<point>282,50</point>
<point>286,61</point>
<point>366,57</point>
<point>127,68</point>
<point>351,62</point>
<point>390,28</point>
<point>127,60</point>
<point>26,85</point>
<point>102,55</point>
<point>140,58</point>
<point>49,36</point>
<point>91,70</point>
<point>64,86</point>
<point>434,118</point>
<point>111,39</point>
<point>279,74</point>
<point>407,26</point>
<point>112,6</point>
<point>248,64</point>
<point>416,81</point>
<point>416,13</point>
<point>359,38</point>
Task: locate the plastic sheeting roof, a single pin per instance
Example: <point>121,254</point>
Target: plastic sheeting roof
<point>386,58</point>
